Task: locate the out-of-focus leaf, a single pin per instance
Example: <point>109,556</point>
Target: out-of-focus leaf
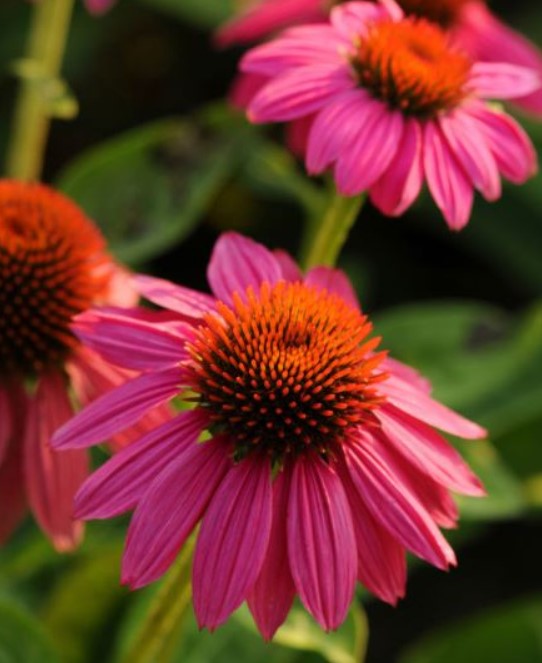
<point>148,188</point>
<point>511,634</point>
<point>22,637</point>
<point>81,604</point>
<point>203,14</point>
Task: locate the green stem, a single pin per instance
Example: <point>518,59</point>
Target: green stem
<point>328,237</point>
<point>45,51</point>
<point>156,636</point>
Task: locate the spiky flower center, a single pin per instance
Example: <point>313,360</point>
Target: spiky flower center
<point>50,260</point>
<point>411,66</point>
<point>286,370</point>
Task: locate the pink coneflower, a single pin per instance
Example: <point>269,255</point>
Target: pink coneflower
<point>320,464</point>
<point>394,105</point>
<point>471,24</point>
<point>53,265</point>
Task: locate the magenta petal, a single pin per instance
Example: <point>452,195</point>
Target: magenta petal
<point>169,510</point>
<point>381,558</point>
<point>188,303</point>
<point>420,405</point>
<point>99,6</point>
<point>118,485</point>
<point>321,541</point>
<point>270,599</point>
<point>500,80</point>
<point>388,497</point>
<point>118,409</point>
<point>406,374</point>
<point>335,282</point>
<point>52,477</point>
<point>449,186</point>
<point>233,541</point>
<point>430,453</point>
<point>6,422</point>
<point>129,342</point>
<point>237,263</point>
<point>353,19</point>
<point>288,266</point>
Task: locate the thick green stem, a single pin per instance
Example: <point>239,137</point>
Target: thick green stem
<point>156,636</point>
<point>41,67</point>
<point>327,237</point>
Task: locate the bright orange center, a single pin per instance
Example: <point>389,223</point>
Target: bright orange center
<point>411,66</point>
<point>50,259</point>
<point>287,371</point>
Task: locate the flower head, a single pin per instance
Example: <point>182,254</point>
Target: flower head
<point>320,464</point>
<point>53,266</point>
<point>393,104</point>
<point>470,23</point>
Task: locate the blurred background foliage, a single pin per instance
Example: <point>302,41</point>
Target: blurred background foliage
<point>161,163</point>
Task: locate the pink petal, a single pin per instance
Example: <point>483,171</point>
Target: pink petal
<point>169,510</point>
<point>52,477</point>
<point>421,406</point>
<point>373,146</point>
<point>378,481</point>
<point>353,19</point>
<point>381,559</point>
<point>244,88</point>
<point>428,451</point>
<point>321,542</point>
<point>188,303</point>
<point>288,266</point>
<point>297,135</point>
<point>118,409</point>
<point>335,282</point>
<point>299,92</point>
<point>472,152</point>
<point>400,184</point>
<point>237,263</point>
<point>99,6</point>
<point>406,373</point>
<point>449,186</point>
<point>119,484</point>
<point>271,597</point>
<point>6,422</point>
<point>233,541</point>
<point>512,148</point>
<point>500,80</point>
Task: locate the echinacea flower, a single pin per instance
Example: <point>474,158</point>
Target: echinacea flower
<point>395,104</point>
<point>320,464</point>
<point>470,23</point>
<point>53,265</point>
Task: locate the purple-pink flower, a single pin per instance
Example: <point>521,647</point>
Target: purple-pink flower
<point>393,104</point>
<point>470,23</point>
<point>320,464</point>
<point>53,265</point>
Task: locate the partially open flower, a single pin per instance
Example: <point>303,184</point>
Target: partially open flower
<point>320,465</point>
<point>395,103</point>
<point>470,23</point>
<point>53,266</point>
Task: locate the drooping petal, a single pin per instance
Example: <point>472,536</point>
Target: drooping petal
<point>118,409</point>
<point>381,558</point>
<point>321,542</point>
<point>501,80</point>
<point>129,342</point>
<point>233,541</point>
<point>378,481</point>
<point>335,282</point>
<point>238,262</point>
<point>449,186</point>
<point>428,451</point>
<point>169,510</point>
<point>406,374</point>
<point>52,477</point>
<point>119,484</point>
<point>420,405</point>
<point>270,599</point>
<point>188,303</point>
<point>299,92</point>
<point>400,184</point>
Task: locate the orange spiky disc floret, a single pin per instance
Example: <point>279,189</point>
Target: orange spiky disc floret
<point>288,370</point>
<point>51,260</point>
<point>412,67</point>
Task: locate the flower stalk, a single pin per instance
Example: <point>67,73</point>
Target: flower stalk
<point>42,95</point>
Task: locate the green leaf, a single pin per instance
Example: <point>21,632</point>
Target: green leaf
<point>148,188</point>
<point>510,634</point>
<point>202,14</point>
<point>22,638</point>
